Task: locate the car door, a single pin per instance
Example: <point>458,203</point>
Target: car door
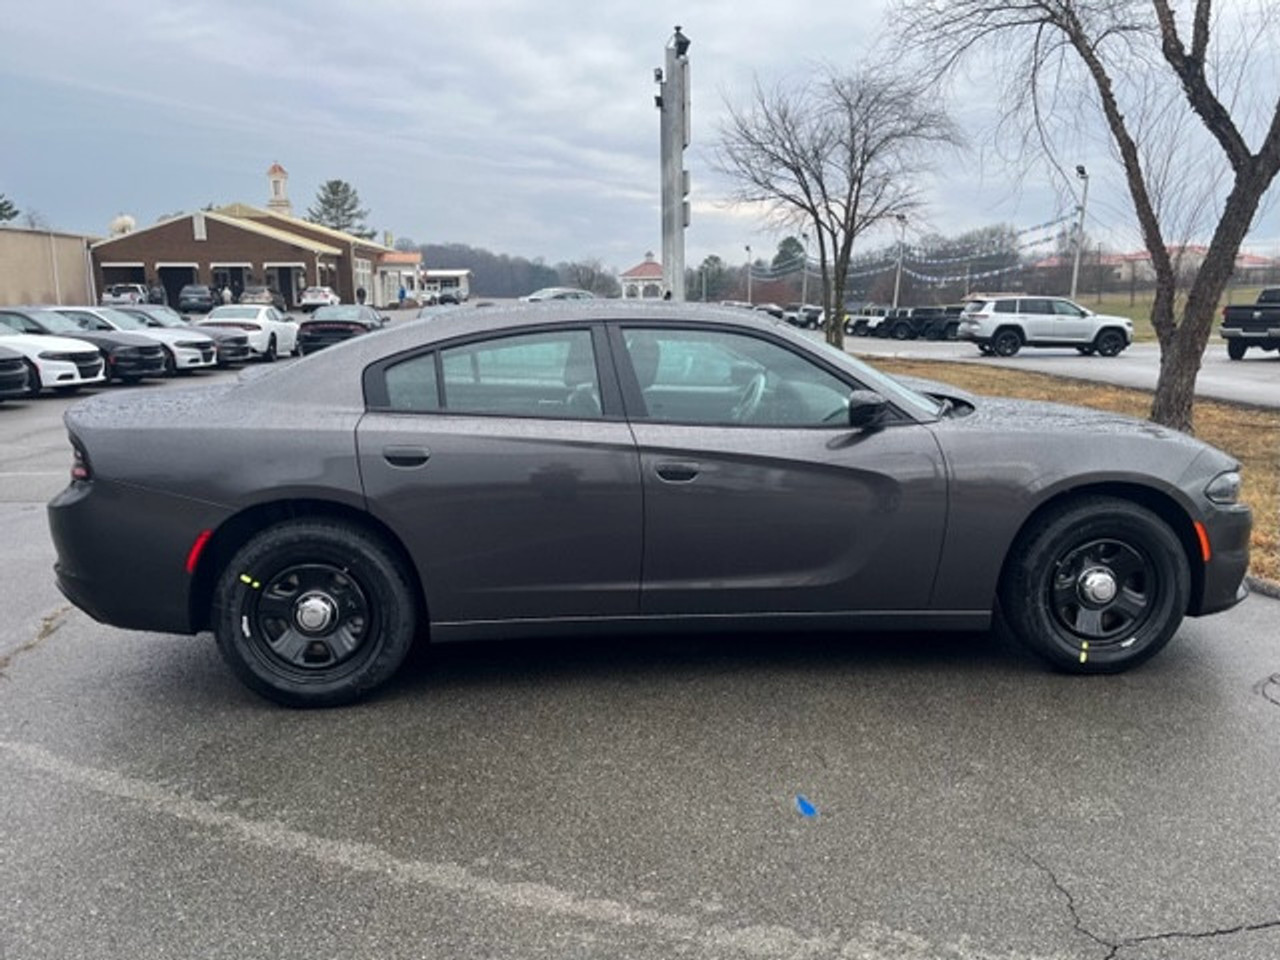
<point>1038,319</point>
<point>758,495</point>
<point>505,464</point>
<point>1072,323</point>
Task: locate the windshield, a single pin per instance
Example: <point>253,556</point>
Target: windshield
<point>339,313</point>
<point>57,323</point>
<point>125,321</point>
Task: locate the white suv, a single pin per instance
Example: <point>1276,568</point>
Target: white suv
<point>1004,325</point>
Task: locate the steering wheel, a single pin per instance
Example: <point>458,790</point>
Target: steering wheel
<point>749,402</point>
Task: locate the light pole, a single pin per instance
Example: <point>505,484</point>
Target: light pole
<point>902,239</point>
<point>748,273</point>
<point>1083,174</point>
<point>672,102</point>
<point>804,272</point>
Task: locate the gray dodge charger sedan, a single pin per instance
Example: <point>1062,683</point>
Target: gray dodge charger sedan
<point>599,467</point>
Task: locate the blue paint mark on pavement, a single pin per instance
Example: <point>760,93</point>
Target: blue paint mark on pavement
<point>806,808</point>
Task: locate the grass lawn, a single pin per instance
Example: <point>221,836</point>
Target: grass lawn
<point>1250,435</point>
<point>1139,311</point>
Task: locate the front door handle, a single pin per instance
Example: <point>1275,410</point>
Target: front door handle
<point>406,456</point>
<point>677,472</point>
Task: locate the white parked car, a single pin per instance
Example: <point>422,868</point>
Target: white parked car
<point>64,364</point>
<point>121,293</point>
<point>183,349</point>
<point>558,293</point>
<point>313,297</point>
<point>271,333</point>
<point>1003,325</point>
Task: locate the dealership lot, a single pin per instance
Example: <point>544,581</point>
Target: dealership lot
<point>637,799</point>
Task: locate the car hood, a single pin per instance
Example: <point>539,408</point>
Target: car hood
<point>33,343</point>
<point>1010,416</point>
<point>173,335</point>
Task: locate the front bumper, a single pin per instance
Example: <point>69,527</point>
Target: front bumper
<point>1228,530</point>
<point>136,366</point>
<point>190,356</point>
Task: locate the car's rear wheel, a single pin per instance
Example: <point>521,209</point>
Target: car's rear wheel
<point>314,613</point>
<point>1096,586</point>
<point>1006,342</point>
<point>1236,349</point>
<point>1109,343</point>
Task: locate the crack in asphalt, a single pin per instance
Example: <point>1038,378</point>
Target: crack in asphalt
<point>1114,947</point>
<point>1270,689</point>
<point>48,627</point>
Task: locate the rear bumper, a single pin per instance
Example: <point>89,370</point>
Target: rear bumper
<point>122,553</point>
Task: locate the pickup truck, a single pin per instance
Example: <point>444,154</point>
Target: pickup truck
<point>1253,326</point>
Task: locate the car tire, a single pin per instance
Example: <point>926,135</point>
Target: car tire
<point>1086,351</point>
<point>1006,343</point>
<point>953,332</point>
<point>170,364</point>
<point>901,331</point>
<point>1236,349</point>
<point>1097,585</point>
<point>314,613</point>
<point>1109,343</point>
<point>270,355</point>
<point>985,349</point>
<point>33,380</point>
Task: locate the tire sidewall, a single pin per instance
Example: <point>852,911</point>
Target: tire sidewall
<point>1026,585</point>
<point>366,561</point>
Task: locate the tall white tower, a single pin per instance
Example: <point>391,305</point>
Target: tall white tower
<point>278,198</point>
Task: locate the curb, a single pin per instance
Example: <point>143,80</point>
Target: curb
<point>1268,588</point>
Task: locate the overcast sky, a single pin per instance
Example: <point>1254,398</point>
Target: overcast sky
<point>525,128</point>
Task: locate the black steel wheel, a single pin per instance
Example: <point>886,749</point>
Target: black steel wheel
<point>1109,343</point>
<point>1236,349</point>
<point>314,613</point>
<point>1006,342</point>
<point>1096,586</point>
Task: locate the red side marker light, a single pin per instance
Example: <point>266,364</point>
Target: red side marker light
<point>193,555</point>
<point>1203,534</point>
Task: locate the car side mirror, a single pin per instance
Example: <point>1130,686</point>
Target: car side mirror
<point>867,410</point>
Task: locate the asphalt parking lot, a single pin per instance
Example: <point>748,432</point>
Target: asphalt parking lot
<point>908,797</point>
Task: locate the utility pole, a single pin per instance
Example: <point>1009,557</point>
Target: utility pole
<point>748,273</point>
<point>1083,174</point>
<point>804,272</point>
<point>902,239</point>
<point>672,102</point>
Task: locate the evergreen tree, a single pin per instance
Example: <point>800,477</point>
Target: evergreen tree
<point>338,207</point>
<point>7,210</point>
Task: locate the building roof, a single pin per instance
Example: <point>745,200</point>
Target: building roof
<point>275,169</point>
<point>406,257</point>
<point>649,269</point>
<point>292,239</point>
<point>245,211</point>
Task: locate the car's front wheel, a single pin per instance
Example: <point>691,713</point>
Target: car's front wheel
<point>314,613</point>
<point>1098,585</point>
<point>1109,343</point>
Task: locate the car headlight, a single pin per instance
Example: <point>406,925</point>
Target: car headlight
<point>1224,488</point>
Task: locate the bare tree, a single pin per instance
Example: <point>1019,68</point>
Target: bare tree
<point>835,156</point>
<point>1064,61</point>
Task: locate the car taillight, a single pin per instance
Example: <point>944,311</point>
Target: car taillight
<point>80,465</point>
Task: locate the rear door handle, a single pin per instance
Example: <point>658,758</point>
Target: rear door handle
<point>406,456</point>
<point>677,472</point>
